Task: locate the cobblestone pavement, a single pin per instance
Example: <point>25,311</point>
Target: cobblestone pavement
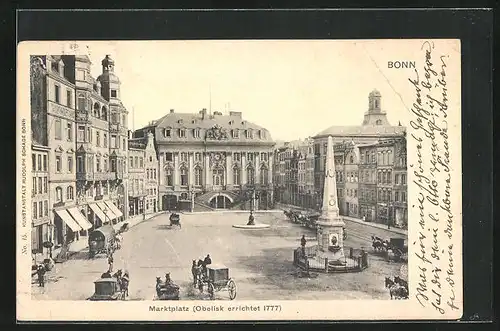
<point>260,261</point>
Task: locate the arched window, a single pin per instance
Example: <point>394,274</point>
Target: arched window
<point>97,112</point>
<point>104,113</point>
<point>250,176</point>
<point>59,196</point>
<point>236,176</point>
<point>82,103</point>
<point>184,177</point>
<point>197,176</point>
<point>169,179</point>
<point>263,175</point>
<point>218,176</point>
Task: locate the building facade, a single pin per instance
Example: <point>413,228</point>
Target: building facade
<point>212,161</point>
<point>152,178</point>
<point>136,178</point>
<point>70,120</point>
<point>40,231</point>
<point>370,159</point>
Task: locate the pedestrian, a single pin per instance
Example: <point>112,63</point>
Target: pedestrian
<point>364,218</point>
<point>110,263</point>
<point>251,219</point>
<point>207,260</point>
<point>303,243</point>
<point>41,275</point>
<point>388,224</point>
<point>194,271</point>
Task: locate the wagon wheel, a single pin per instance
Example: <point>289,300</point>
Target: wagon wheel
<point>231,287</point>
<point>211,291</point>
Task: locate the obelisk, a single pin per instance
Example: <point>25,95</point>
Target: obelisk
<point>330,224</point>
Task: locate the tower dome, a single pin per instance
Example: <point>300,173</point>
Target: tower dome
<point>374,93</point>
<point>108,68</point>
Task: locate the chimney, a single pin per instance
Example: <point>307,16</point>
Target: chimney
<point>203,113</point>
<point>235,114</point>
<point>172,111</point>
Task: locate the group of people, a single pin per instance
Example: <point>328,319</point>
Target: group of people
<point>199,270</point>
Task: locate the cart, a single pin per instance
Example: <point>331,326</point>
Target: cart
<point>107,289</point>
<point>175,219</point>
<point>166,291</point>
<point>102,240</point>
<point>217,279</point>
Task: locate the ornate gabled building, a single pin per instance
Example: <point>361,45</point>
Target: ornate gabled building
<point>212,161</point>
<point>79,131</point>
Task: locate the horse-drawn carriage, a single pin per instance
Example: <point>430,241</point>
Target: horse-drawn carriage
<point>166,290</point>
<point>398,288</point>
<point>393,249</point>
<point>175,219</point>
<point>107,289</point>
<point>216,279</point>
<point>102,241</point>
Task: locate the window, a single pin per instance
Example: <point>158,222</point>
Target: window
<point>236,176</point>
<point>45,185</point>
<point>68,98</point>
<point>237,157</point>
<point>136,162</point>
<point>263,156</point>
<point>403,179</point>
<point>98,163</point>
<point>167,133</point>
<point>105,140</point>
<point>248,134</point>
<point>182,133</point>
<point>197,176</point>
<point>263,175</point>
<point>141,162</point>
<point>98,139</point>
<point>34,186</point>
<point>33,162</point>
<point>58,163</point>
<point>81,133</point>
<point>46,208</point>
<point>106,169</point>
<point>82,103</point>
<point>80,75</point>
<point>70,164</point>
<point>355,193</point>
<point>79,164</point>
<point>39,158</point>
<point>131,162</point>
<point>250,176</point>
<point>58,194</point>
<point>378,122</point>
<point>235,133</point>
<point>196,133</point>
<point>113,93</point>
<point>150,158</point>
<point>35,214</point>
<point>218,176</point>
<point>56,93</point>
<point>154,173</point>
<point>379,177</point>
<point>169,157</point>
<point>396,196</point>
<point>89,135</point>
<point>250,157</point>
<point>69,193</point>
<point>403,196</point>
<point>124,145</point>
<point>184,157</point>
<point>184,177</point>
<point>169,177</point>
<point>396,179</point>
<point>113,141</point>
<point>58,129</point>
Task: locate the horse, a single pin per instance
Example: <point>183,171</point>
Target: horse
<point>396,291</point>
<point>400,281</point>
<point>377,244</point>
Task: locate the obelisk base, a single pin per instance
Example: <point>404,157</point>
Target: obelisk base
<point>331,239</point>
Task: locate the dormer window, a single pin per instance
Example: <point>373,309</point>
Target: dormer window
<point>55,66</point>
<point>196,133</point>
<point>179,121</point>
<point>249,134</point>
<point>235,133</point>
<point>231,122</point>
<point>113,93</point>
<point>167,133</point>
<point>378,122</point>
<point>182,133</point>
<point>262,134</point>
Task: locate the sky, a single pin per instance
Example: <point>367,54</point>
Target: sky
<point>293,88</point>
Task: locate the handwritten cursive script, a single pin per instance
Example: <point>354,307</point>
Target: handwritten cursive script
<point>431,175</point>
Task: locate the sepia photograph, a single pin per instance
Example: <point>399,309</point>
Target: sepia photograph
<point>221,174</point>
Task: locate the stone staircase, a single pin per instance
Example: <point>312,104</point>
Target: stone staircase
<point>202,202</point>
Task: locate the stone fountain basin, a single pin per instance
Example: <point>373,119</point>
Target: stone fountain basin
<point>255,226</point>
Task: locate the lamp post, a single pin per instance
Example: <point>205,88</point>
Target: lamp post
<point>105,210</point>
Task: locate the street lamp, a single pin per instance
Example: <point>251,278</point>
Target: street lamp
<point>105,210</point>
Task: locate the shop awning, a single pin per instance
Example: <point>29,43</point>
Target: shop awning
<point>79,218</point>
<point>99,213</point>
<point>66,217</point>
<point>106,210</point>
<point>115,209</point>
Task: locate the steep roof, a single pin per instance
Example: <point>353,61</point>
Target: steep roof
<point>362,130</point>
